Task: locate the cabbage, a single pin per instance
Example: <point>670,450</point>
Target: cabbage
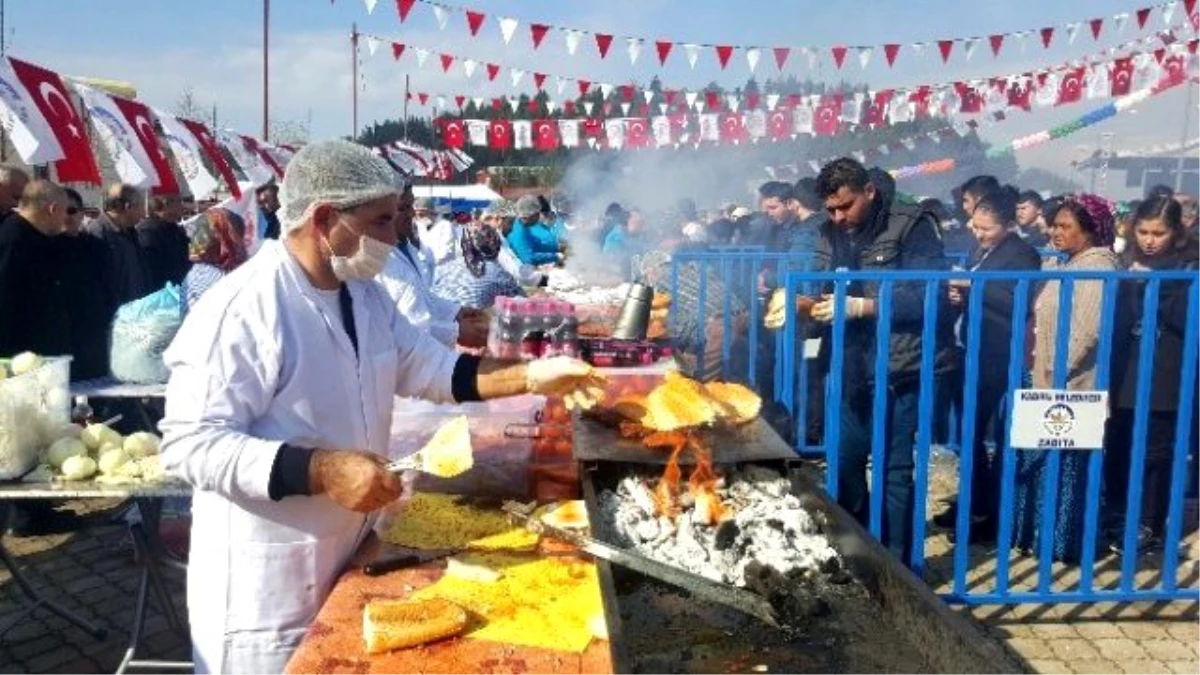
<point>63,449</point>
<point>56,432</point>
<point>96,436</point>
<point>26,362</point>
<point>79,468</point>
<point>141,444</point>
<point>112,459</point>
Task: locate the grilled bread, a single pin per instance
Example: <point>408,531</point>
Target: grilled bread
<point>449,453</point>
<point>396,624</point>
<point>738,405</point>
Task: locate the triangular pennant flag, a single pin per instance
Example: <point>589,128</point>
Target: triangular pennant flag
<point>1072,32</point>
<point>478,101</point>
<point>372,45</point>
<point>772,101</point>
<point>753,54</point>
<point>422,56</point>
<point>560,84</point>
<point>1189,6</point>
<point>693,53</point>
<point>781,56</point>
<point>812,56</point>
<point>663,108</point>
<point>864,56</point>
<point>514,103</point>
<point>588,107</point>
<point>404,7</point>
<point>475,21</point>
<point>723,54</point>
<point>447,61</point>
<point>1047,36</point>
<point>945,47</point>
<point>1022,37</point>
<point>919,49</point>
<point>997,41</point>
<point>625,109</point>
<point>1097,26</point>
<point>606,90</point>
<point>584,85</point>
<point>551,106</point>
<point>733,101</point>
<point>1120,21</point>
<point>493,69</point>
<point>469,67</point>
<point>538,32</point>
<point>664,50</point>
<point>839,55</point>
<point>603,42</point>
<point>1142,15</point>
<point>626,92</point>
<point>516,74</point>
<point>397,50</point>
<point>422,98</point>
<point>572,38</point>
<point>890,52</point>
<point>690,97</point>
<point>538,80</point>
<point>370,6</point>
<point>460,100</point>
<point>969,47</point>
<point>1168,13</point>
<point>634,47</point>
<point>508,28</point>
<point>648,94</point>
<point>441,15</point>
<point>441,101</point>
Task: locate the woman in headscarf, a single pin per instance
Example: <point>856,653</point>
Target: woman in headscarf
<point>217,248</point>
<point>1081,230</point>
<point>475,279</point>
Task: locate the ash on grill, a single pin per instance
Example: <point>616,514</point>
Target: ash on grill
<point>763,539</point>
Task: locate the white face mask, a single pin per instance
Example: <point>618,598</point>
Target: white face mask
<point>365,264</point>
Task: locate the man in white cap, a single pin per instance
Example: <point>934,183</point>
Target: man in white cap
<point>278,410</point>
<point>435,232</point>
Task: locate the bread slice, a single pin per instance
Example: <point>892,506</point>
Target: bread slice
<point>678,403</point>
<point>738,405</point>
<point>396,624</point>
<point>571,515</point>
<point>449,453</point>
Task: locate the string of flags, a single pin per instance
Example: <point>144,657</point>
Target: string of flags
<point>813,55</point>
<point>1095,72</point>
<point>46,116</point>
<point>1088,119</point>
<point>417,161</point>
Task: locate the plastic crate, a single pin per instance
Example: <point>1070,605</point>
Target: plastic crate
<point>29,404</point>
<point>502,435</point>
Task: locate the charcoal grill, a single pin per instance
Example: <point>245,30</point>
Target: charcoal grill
<point>886,620</point>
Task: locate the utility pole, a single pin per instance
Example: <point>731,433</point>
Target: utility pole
<point>266,132</point>
<point>406,95</point>
<point>354,77</point>
<point>3,29</point>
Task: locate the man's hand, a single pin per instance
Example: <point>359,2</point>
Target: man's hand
<point>358,481</point>
<point>776,314</point>
<point>855,308</point>
<point>473,331</point>
<point>577,382</point>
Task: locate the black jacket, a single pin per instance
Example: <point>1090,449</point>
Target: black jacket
<point>91,303</point>
<point>896,236</point>
<point>1168,340</point>
<point>995,330</point>
<point>125,265</point>
<point>33,291</point>
<point>165,249</point>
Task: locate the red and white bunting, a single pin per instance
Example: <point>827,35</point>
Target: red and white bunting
<point>508,28</point>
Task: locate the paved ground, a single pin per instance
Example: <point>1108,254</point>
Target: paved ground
<point>93,571</point>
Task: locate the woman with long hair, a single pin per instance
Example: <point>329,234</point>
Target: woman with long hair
<point>1156,241</point>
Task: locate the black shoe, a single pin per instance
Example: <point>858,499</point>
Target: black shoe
<point>948,518</point>
<point>1147,541</point>
<point>983,532</point>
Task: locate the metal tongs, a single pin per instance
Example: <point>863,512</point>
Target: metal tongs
<point>700,587</point>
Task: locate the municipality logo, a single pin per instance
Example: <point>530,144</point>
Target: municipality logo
<point>1059,420</point>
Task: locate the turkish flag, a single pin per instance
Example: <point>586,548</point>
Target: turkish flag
<point>1070,87</point>
<point>970,100</point>
<point>779,124</point>
<point>139,118</point>
<point>825,121</point>
<point>732,129</point>
<point>500,134</point>
<point>1174,71</point>
<point>213,151</point>
<point>637,133</point>
<point>876,114</point>
<point>452,132</point>
<point>592,128</point>
<point>920,101</point>
<point>1019,93</point>
<point>45,87</point>
<point>545,134</point>
<point>251,145</point>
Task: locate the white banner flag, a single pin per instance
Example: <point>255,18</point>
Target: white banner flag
<point>568,133</point>
<point>188,155</point>
<point>710,127</point>
<point>614,131</point>
<point>119,139</point>
<point>30,133</point>
<point>660,126</point>
<point>522,134</point>
<point>477,132</point>
<point>251,165</point>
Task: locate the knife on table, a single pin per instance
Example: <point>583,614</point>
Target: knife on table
<point>396,558</point>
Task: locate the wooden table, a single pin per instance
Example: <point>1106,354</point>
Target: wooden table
<point>334,642</point>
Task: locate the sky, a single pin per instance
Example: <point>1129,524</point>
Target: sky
<point>214,48</point>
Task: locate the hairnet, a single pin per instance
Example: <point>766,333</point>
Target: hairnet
<point>527,206</point>
<point>340,173</point>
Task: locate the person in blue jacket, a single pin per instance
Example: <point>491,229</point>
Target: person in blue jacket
<point>534,242</point>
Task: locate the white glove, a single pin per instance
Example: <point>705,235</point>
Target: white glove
<point>577,382</point>
<point>855,308</point>
<point>776,314</point>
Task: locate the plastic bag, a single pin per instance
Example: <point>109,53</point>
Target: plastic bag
<point>141,333</point>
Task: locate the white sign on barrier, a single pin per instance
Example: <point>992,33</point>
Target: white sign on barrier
<point>1045,419</point>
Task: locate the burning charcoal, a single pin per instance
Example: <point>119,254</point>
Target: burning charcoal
<point>647,530</point>
<point>641,496</point>
<point>727,533</point>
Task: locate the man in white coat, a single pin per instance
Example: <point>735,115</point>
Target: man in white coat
<point>279,404</point>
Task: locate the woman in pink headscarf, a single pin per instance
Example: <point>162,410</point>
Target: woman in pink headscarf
<point>217,248</point>
<point>1082,231</point>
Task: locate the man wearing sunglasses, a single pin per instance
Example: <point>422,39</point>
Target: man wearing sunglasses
<point>125,266</point>
<point>91,303</point>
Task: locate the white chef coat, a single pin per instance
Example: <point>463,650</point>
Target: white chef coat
<point>526,275</point>
<point>404,281</point>
<point>424,259</point>
<point>442,237</point>
<point>261,361</point>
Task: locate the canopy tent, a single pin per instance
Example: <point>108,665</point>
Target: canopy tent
<point>458,197</point>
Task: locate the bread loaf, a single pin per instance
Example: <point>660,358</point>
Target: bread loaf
<point>396,624</point>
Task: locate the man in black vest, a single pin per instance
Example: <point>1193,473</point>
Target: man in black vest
<point>870,229</point>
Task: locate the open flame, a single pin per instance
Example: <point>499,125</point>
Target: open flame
<point>701,485</point>
<point>666,493</point>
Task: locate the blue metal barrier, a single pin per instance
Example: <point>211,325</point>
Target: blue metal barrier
<point>1050,513</point>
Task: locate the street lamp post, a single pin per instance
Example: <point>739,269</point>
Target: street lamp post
<point>266,70</point>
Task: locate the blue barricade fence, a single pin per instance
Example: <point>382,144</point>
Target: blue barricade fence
<point>1050,493</point>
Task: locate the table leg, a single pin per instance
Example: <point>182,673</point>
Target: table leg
<point>36,599</point>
